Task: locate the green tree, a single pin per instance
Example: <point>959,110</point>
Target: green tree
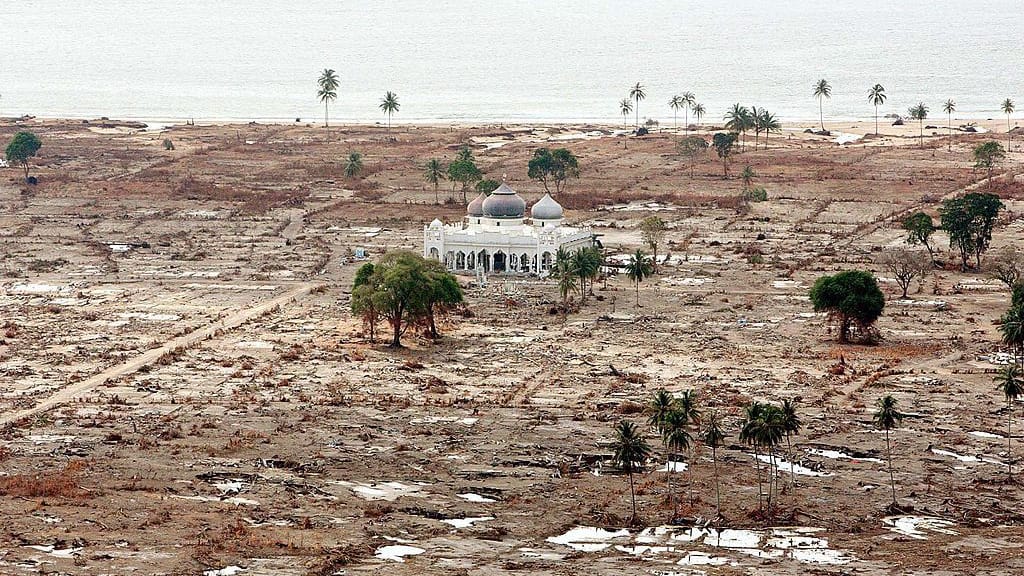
<point>676,438</point>
<point>723,143</point>
<point>553,166</point>
<point>652,233</point>
<point>586,263</point>
<point>487,186</point>
<point>362,299</point>
<point>659,407</point>
<point>987,155</point>
<point>625,107</point>
<point>886,418</point>
<point>464,171</point>
<point>822,91</point>
<point>327,90</point>
<point>354,165</point>
<point>434,172</point>
<point>920,227</point>
<point>949,107</point>
<point>630,452</point>
<point>1011,328</point>
<point>444,294</point>
<point>698,112</point>
<point>403,289</point>
<point>747,176</point>
<point>791,425</point>
<point>566,272</point>
<point>969,220</point>
<point>738,119</point>
<point>686,405</point>
<point>637,270</point>
<point>919,113</point>
<point>1010,382</point>
<point>851,298</point>
<point>713,438</point>
<point>389,105</point>
<point>1007,107</point>
<point>637,93</point>
<point>23,147</point>
<point>693,147</point>
<point>876,96</point>
<point>749,429</point>
<point>769,124</point>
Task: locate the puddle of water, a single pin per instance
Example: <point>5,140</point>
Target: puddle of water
<point>466,522</point>
<point>673,466</point>
<point>476,498</point>
<point>226,571</point>
<point>588,539</point>
<point>917,527</point>
<point>704,559</point>
<point>980,434</point>
<point>838,455</point>
<point>966,458</point>
<point>397,552</point>
<point>788,466</point>
<point>389,491</point>
<point>55,552</point>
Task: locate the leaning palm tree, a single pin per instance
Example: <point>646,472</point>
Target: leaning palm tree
<point>328,90</point>
<point>630,451</point>
<point>637,93</point>
<point>791,425</point>
<point>949,107</point>
<point>638,269</point>
<point>822,90</point>
<point>919,113</point>
<point>1007,107</point>
<point>769,124</point>
<point>689,100</point>
<point>389,104</point>
<point>433,172</point>
<point>1010,382</point>
<point>888,417</point>
<point>625,107</point>
<point>676,439</point>
<point>713,437</point>
<point>698,112</point>
<point>675,104</point>
<point>877,97</point>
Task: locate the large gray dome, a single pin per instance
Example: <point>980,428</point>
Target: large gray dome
<point>547,209</point>
<point>504,203</point>
<point>476,207</point>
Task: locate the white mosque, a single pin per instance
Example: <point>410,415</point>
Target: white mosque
<point>495,237</point>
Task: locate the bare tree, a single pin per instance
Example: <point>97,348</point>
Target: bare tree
<point>1006,265</point>
<point>905,265</point>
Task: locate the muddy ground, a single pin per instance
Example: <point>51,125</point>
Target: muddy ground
<point>185,391</point>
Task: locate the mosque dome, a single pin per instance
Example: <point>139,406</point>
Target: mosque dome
<point>436,224</point>
<point>504,203</point>
<point>476,207</point>
<point>546,209</point>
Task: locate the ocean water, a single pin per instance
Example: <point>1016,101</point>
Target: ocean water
<point>503,60</point>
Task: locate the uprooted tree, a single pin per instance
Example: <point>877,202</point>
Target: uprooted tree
<point>852,299</point>
<point>404,289</point>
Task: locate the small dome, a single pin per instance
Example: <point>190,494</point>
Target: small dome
<point>546,209</point>
<point>476,207</point>
<point>504,203</point>
<point>436,223</point>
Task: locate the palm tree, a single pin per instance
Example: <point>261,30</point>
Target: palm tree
<point>1007,107</point>
<point>949,107</point>
<point>625,106</point>
<point>389,104</point>
<point>888,417</point>
<point>755,118</point>
<point>661,404</point>
<point>752,418</point>
<point>822,90</point>
<point>638,269</point>
<point>676,438</point>
<point>769,434</point>
<point>675,104</point>
<point>698,112</point>
<point>919,113</point>
<point>565,271</point>
<point>713,438</point>
<point>1012,329</point>
<point>769,124</point>
<point>1010,382</point>
<point>328,89</point>
<point>690,101</point>
<point>791,425</point>
<point>630,451</point>
<point>687,406</point>
<point>433,173</point>
<point>877,97</point>
<point>637,93</point>
<point>354,164</point>
<point>748,176</point>
<point>738,119</point>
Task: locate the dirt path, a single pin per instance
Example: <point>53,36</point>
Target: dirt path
<point>234,320</point>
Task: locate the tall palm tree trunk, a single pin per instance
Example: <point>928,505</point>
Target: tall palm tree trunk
<point>686,121</point>
<point>637,294</point>
<point>876,119</point>
<point>718,492</point>
<point>671,493</point>
<point>949,129</point>
<point>892,477</point>
<point>632,495</point>
<point>689,472</point>
<point>821,114</point>
<point>760,490</point>
<point>1009,420</point>
<point>789,450</point>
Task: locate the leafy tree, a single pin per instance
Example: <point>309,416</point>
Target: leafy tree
<point>487,185</point>
<point>625,107</point>
<point>713,437</point>
<point>919,227</point>
<point>443,296</point>
<point>949,107</point>
<point>327,89</point>
<point>1007,107</point>
<point>822,91</point>
<point>464,171</point>
<point>969,220</point>
<point>638,269</point>
<point>723,143</point>
<point>434,172</point>
<point>905,265</point>
<point>791,425</point>
<point>987,155</point>
<point>699,111</point>
<point>693,147</point>
<point>851,298</point>
<point>652,232</point>
<point>362,299</point>
<point>919,113</point>
<point>637,93</point>
<point>354,165</point>
<point>886,418</point>
<point>389,105</point>
<point>22,147</point>
<point>630,452</point>
<point>876,96</point>
<point>554,166</point>
<point>1010,382</point>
